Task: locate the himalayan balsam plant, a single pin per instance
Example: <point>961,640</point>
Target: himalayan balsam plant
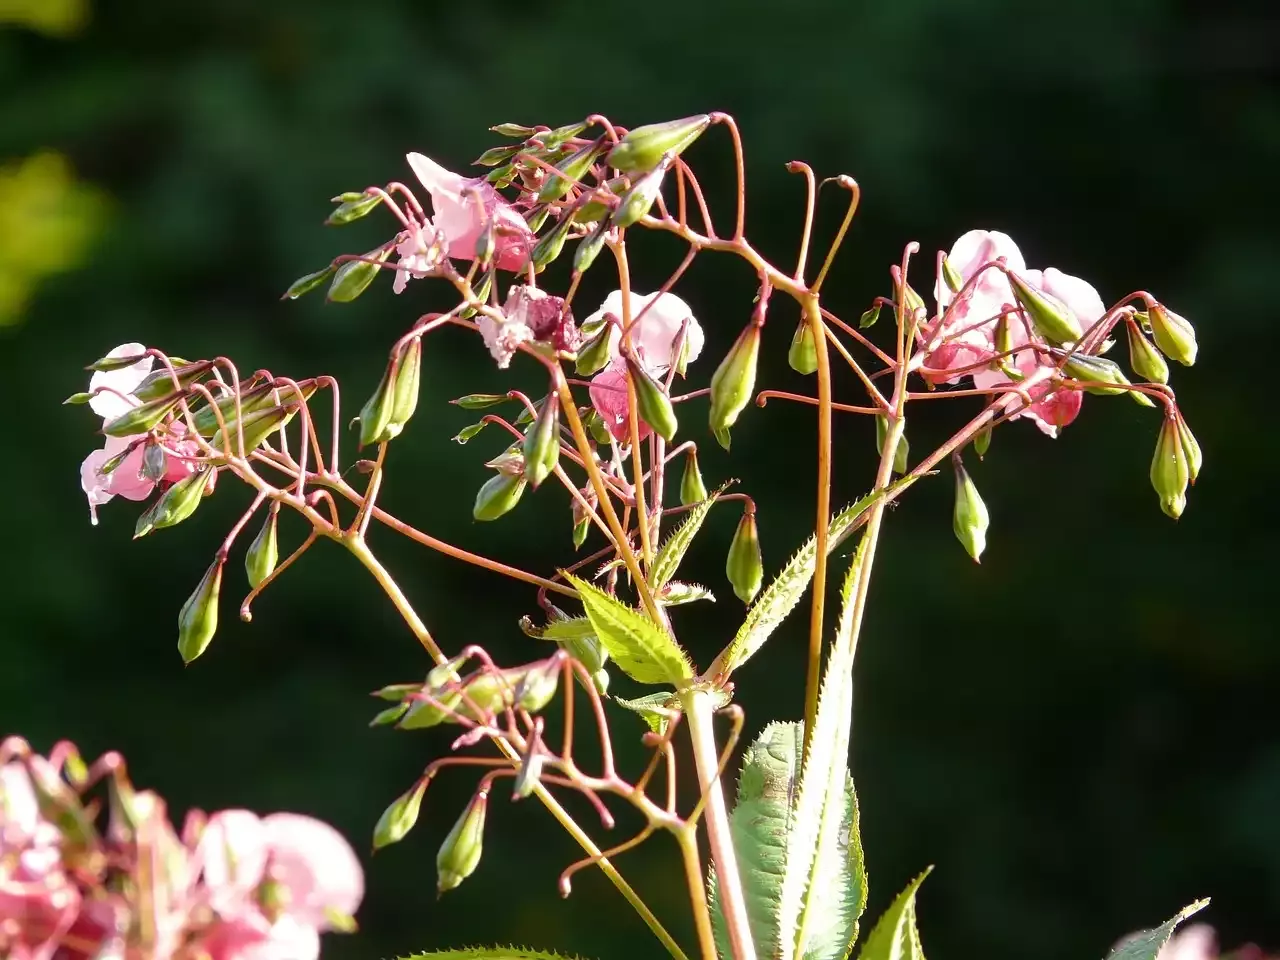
<point>775,871</point>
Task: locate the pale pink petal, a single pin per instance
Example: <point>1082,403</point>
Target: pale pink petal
<point>19,812</point>
<point>1079,295</point>
<point>969,254</point>
<point>656,331</point>
<point>1196,942</point>
<point>316,867</point>
<point>127,480</point>
<point>233,856</point>
<point>609,396</point>
<point>108,405</point>
<point>463,206</point>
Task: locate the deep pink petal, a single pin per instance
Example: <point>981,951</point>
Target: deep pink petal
<point>609,396</point>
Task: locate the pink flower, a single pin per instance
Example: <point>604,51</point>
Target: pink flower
<point>316,867</point>
<point>253,937</point>
<point>19,813</point>
<point>609,396</point>
<point>421,248</point>
<point>529,314</point>
<point>463,207</point>
<point>232,853</point>
<point>1196,942</point>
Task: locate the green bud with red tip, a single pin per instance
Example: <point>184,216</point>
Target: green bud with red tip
<point>654,406</point>
<point>644,147</point>
<point>744,565</point>
<point>1173,334</point>
<point>734,382</point>
<point>803,352</point>
<point>692,489</point>
<point>1050,317</point>
<point>513,130</point>
<point>400,817</point>
<point>1171,468</point>
<point>460,853</point>
<point>970,519</point>
<point>198,618</point>
<point>542,442</point>
<point>1144,358</point>
<point>261,557</point>
<point>498,496</point>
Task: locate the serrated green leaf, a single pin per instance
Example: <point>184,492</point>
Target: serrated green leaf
<point>677,593</point>
<point>815,862</point>
<point>1147,944</point>
<point>653,708</point>
<point>895,936</point>
<point>667,560</point>
<point>490,953</point>
<point>642,649</point>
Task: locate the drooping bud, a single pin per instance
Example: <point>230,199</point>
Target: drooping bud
<point>951,276</point>
<point>142,418</point>
<point>308,283</point>
<point>353,277</point>
<point>260,559</point>
<point>912,301</point>
<point>257,427</point>
<point>744,565</point>
<point>589,247</point>
<point>160,383</point>
<point>803,353</point>
<point>1191,448</point>
<point>175,504</point>
<point>514,130</point>
<point>869,316</point>
<point>569,171</point>
<point>479,401</point>
<point>982,441</point>
<point>692,489</point>
<point>640,198</point>
<point>594,208</point>
<point>351,210</point>
<point>1173,335</point>
<point>1144,358</point>
<point>399,818</point>
<point>538,686</point>
<point>1050,317</point>
<point>550,245</point>
<point>198,618</point>
<point>1171,468</point>
<point>542,442</point>
<point>375,415</point>
<point>498,496</point>
<point>644,147</point>
<point>529,775</point>
<point>735,380</point>
<point>970,519</point>
<point>155,462</point>
<point>902,452</point>
<point>654,406</point>
<point>495,156</point>
<point>593,356</point>
<point>595,424</point>
<point>1097,372</point>
<point>460,853</point>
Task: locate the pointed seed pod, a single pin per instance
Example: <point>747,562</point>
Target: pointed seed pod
<point>970,519</point>
<point>692,489</point>
<point>538,686</point>
<point>160,383</point>
<point>734,381</point>
<point>1191,449</point>
<point>1144,358</point>
<point>639,199</point>
<point>580,530</point>
<point>350,211</point>
<point>513,130</point>
<point>869,316</point>
<point>353,277</point>
<point>982,441</point>
<point>405,392</point>
<point>529,775</point>
<point>78,398</point>
<point>589,247</point>
<point>569,171</point>
<point>257,427</point>
<point>549,247</point>
<point>260,559</point>
<point>644,147</point>
<point>595,209</point>
<point>654,406</point>
<point>498,496</point>
<point>542,442</point>
<point>1171,468</point>
<point>901,454</point>
<point>744,565</point>
<point>1097,371</point>
<point>912,301</point>
<point>375,415</point>
<point>175,504</point>
<point>593,356</point>
<point>198,618</point>
<point>803,353</point>
<point>141,418</point>
<point>596,425</point>
<point>1050,317</point>
<point>495,156</point>
<point>399,818</point>
<point>112,364</point>
<point>1173,334</point>
<point>951,276</point>
<point>460,853</point>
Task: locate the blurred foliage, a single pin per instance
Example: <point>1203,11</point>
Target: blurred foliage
<point>1080,733</point>
<point>58,18</point>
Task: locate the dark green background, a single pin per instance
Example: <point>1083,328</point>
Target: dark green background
<point>1081,733</point>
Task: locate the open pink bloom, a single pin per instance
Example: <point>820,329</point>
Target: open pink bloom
<point>19,813</point>
<point>463,206</point>
<point>315,866</point>
<point>609,396</point>
<point>529,314</point>
<point>232,853</point>
<point>1196,942</point>
<point>656,330</point>
<point>421,248</point>
<point>255,938</point>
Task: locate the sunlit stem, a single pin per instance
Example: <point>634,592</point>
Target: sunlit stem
<point>688,840</point>
<point>813,316</point>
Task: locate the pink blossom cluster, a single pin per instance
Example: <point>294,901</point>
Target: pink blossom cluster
<point>232,886</point>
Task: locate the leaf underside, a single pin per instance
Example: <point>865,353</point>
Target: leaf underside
<point>1147,944</point>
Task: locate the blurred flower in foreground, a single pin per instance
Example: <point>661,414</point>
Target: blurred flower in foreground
<point>1199,942</point>
<point>59,18</point>
<point>47,220</point>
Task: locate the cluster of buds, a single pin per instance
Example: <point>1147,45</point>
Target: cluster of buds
<point>80,880</point>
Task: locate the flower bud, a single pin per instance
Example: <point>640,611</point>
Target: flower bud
<point>542,442</point>
<point>375,415</point>
<point>982,441</point>
<point>408,378</point>
<point>644,147</point>
<point>1144,358</point>
<point>901,453</point>
<point>734,381</point>
<point>308,283</point>
<point>399,818</point>
<point>351,210</point>
<point>498,496</point>
<point>529,775</point>
<point>596,209</point>
<point>155,462</point>
<point>538,686</point>
<point>160,383</point>
<point>480,401</point>
<point>970,520</point>
<point>593,356</point>
<point>1171,468</point>
<point>78,398</point>
<point>870,316</point>
<point>803,353</point>
<point>589,247</point>
<point>460,853</point>
<point>655,407</point>
<point>260,559</point>
<point>580,530</point>
<point>514,130</point>
<point>353,277</point>
<point>569,171</point>
<point>951,276</point>
<point>198,618</point>
<point>639,198</point>
<point>1191,448</point>
<point>912,301</point>
<point>550,245</point>
<point>175,504</point>
<point>257,427</point>
<point>142,418</point>
<point>1097,371</point>
<point>1050,317</point>
<point>495,156</point>
<point>1173,335</point>
<point>692,489</point>
<point>745,566</point>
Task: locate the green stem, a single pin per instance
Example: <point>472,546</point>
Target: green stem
<point>688,840</point>
<point>813,316</point>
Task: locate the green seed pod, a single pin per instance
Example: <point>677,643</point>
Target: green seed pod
<point>112,364</point>
<point>480,401</point>
<point>912,301</point>
<point>198,618</point>
<point>644,147</point>
<point>1173,334</point>
<point>423,714</point>
<point>970,519</point>
<point>350,211</point>
<point>542,442</point>
<point>596,425</point>
<point>570,170</point>
<point>142,418</point>
<point>353,277</point>
<point>593,356</point>
<point>160,383</point>
<point>375,415</point>
<point>1171,468</point>
<point>639,199</point>
<point>594,209</point>
<point>513,130</point>
<point>1097,371</point>
<point>692,489</point>
<point>551,244</point>
<point>744,565</point>
<point>538,686</point>
<point>869,318</point>
<point>155,462</point>
<point>495,156</point>
<point>951,277</point>
<point>655,407</point>
<point>901,454</point>
<point>1144,358</point>
<point>175,504</point>
<point>260,559</point>
<point>399,818</point>
<point>529,775</point>
<point>1050,317</point>
<point>803,353</point>
<point>408,379</point>
<point>982,442</point>
<point>589,247</point>
<point>78,398</point>
<point>257,427</point>
<point>734,381</point>
<point>389,716</point>
<point>1191,450</point>
<point>460,853</point>
<point>498,496</point>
